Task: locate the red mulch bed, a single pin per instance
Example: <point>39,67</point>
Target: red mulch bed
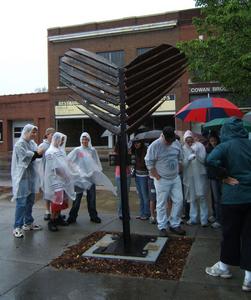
<point>169,265</point>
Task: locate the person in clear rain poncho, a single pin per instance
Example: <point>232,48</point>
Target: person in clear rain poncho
<point>59,178</point>
<point>25,179</point>
<point>85,157</point>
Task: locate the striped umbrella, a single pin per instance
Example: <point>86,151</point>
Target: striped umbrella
<point>207,109</point>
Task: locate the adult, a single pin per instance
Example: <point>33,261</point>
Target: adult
<point>44,146</point>
<point>233,161</point>
<point>86,158</point>
<point>58,178</point>
<point>139,149</point>
<point>195,180</point>
<point>215,184</point>
<point>163,160</point>
<point>25,180</point>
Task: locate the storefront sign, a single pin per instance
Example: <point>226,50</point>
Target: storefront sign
<point>211,89</point>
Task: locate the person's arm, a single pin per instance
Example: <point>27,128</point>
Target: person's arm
<point>150,160</point>
<point>215,160</point>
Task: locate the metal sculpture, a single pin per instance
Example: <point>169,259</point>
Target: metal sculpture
<point>120,99</point>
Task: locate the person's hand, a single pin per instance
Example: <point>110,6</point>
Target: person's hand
<point>230,181</point>
<point>155,174</point>
<point>191,156</point>
<point>40,151</point>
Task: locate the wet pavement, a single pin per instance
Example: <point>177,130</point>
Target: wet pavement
<point>26,275</point>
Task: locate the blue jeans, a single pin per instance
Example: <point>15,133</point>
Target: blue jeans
<point>91,204</point>
<point>143,193</point>
<point>23,214</point>
<point>166,188</point>
<point>117,181</point>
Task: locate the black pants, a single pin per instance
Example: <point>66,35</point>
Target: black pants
<point>91,204</point>
<point>236,230</point>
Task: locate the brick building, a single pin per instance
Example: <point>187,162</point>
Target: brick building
<point>18,110</point>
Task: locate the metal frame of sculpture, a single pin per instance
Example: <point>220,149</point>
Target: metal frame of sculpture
<point>120,99</point>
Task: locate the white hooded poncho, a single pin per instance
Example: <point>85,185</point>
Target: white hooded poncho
<point>25,179</point>
<point>194,171</point>
<point>87,160</point>
<point>59,173</point>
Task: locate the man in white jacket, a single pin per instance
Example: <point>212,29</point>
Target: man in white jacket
<point>163,160</point>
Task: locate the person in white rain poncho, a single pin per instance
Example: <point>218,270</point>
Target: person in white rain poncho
<point>195,179</point>
<point>86,158</point>
<point>59,178</point>
<point>25,179</point>
<point>44,146</point>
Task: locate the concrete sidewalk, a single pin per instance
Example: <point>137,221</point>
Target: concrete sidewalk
<point>25,274</point>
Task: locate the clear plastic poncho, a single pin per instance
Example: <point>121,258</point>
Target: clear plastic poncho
<point>88,162</point>
<point>60,175</point>
<point>25,179</point>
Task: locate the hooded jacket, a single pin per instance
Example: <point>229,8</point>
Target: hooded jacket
<point>234,154</point>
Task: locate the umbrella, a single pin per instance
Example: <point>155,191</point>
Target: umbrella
<point>247,117</point>
<point>147,135</point>
<point>216,123</point>
<point>207,109</point>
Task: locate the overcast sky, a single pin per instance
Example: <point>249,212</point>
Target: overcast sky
<point>23,32</point>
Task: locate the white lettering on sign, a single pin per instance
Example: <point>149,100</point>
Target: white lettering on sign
<point>212,89</point>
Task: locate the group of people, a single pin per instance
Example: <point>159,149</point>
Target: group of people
<point>170,176</point>
<point>61,177</point>
<point>222,164</point>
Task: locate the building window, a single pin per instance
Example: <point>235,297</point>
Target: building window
<point>116,57</point>
<point>1,131</point>
<point>143,50</point>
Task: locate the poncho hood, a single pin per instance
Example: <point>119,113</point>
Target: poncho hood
<point>233,128</point>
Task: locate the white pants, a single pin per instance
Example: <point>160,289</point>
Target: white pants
<point>164,189</point>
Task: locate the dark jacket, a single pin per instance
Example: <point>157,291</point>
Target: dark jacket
<point>234,155</point>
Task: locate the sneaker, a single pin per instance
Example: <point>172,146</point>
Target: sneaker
<point>205,225</point>
<point>29,227</point>
<point>217,272</point>
<point>61,222</point>
<point>18,233</point>
<point>163,232</point>
<point>144,218</point>
<point>71,221</point>
<point>47,216</point>
<point>190,222</point>
<point>211,219</point>
<point>246,286</point>
<point>178,230</point>
<point>216,225</point>
<point>95,219</point>
<point>152,220</point>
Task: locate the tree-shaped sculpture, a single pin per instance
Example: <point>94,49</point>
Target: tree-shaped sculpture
<point>120,99</point>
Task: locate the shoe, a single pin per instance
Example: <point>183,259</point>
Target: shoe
<point>61,222</point>
<point>217,272</point>
<point>52,226</point>
<point>178,230</point>
<point>216,225</point>
<point>190,222</point>
<point>47,216</point>
<point>205,225</point>
<point>138,217</point>
<point>211,219</point>
<point>29,227</point>
<point>71,221</point>
<point>144,218</point>
<point>95,219</point>
<point>246,286</point>
<point>152,220</point>
<point>18,233</point>
<point>163,232</point>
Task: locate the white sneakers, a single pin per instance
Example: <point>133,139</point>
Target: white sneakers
<point>18,232</point>
<point>28,227</point>
<point>217,272</point>
<point>246,287</point>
